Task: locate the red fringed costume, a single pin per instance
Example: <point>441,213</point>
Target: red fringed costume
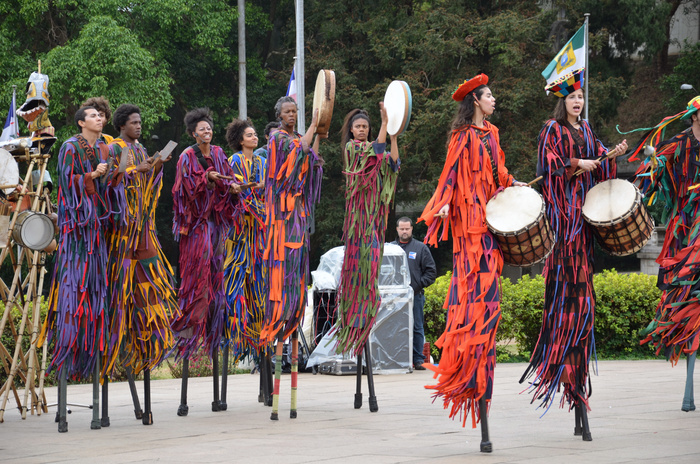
<point>469,179</point>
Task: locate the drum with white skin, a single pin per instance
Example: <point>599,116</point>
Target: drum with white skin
<point>324,99</point>
<point>398,103</point>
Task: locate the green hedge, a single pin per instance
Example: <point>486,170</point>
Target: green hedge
<point>625,304</point>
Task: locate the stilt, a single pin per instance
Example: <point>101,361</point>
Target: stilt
<point>266,378</point>
<point>578,431</point>
<point>295,374</point>
<point>373,406</point>
<point>95,424</point>
<point>215,378</point>
<point>147,418</point>
<point>689,397</point>
<point>278,374</point>
<point>104,420</point>
<point>62,400</point>
<point>585,429</point>
<point>261,371</point>
<point>358,385</point>
<point>183,409</point>
<point>138,412</point>
<point>224,380</point>
<point>485,446</point>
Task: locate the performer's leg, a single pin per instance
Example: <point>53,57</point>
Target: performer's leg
<point>104,420</point>
<point>688,398</point>
<point>62,400</point>
<point>147,418</point>
<point>215,377</point>
<point>183,409</point>
<point>295,374</point>
<point>95,424</point>
<point>485,446</point>
<point>224,380</point>
<point>278,375</point>
<point>373,406</point>
<point>358,386</point>
<point>138,412</point>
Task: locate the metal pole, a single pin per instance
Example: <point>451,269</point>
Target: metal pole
<point>299,67</point>
<point>585,23</point>
<point>242,100</point>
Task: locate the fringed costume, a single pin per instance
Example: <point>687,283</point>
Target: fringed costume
<point>566,342</point>
<point>473,173</point>
<point>371,181</point>
<point>142,300</point>
<point>244,278</point>
<point>77,313</point>
<point>203,214</point>
<point>292,189</point>
<point>673,175</point>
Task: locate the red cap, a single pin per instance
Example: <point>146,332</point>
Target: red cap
<point>469,85</point>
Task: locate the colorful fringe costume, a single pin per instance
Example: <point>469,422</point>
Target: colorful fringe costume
<point>243,269</point>
<point>203,214</point>
<point>77,311</point>
<point>474,171</point>
<point>371,181</point>
<point>566,340</point>
<point>674,175</point>
<point>292,188</point>
<point>142,298</point>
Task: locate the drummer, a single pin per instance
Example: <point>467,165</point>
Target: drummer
<point>566,144</point>
<point>473,172</point>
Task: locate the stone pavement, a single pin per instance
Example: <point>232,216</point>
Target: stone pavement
<point>635,417</point>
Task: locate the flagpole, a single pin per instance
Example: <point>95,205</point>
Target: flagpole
<point>299,67</point>
<point>242,98</point>
<point>585,23</point>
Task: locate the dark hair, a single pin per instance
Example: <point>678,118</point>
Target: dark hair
<point>559,114</point>
<point>282,101</point>
<point>80,114</point>
<point>234,133</point>
<point>350,118</point>
<point>194,117</point>
<point>101,104</point>
<point>404,219</point>
<point>270,126</point>
<point>122,114</point>
<point>465,112</point>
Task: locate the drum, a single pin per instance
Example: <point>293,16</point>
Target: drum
<point>33,230</point>
<point>398,103</point>
<point>324,98</point>
<point>9,172</point>
<point>516,217</point>
<point>619,220</point>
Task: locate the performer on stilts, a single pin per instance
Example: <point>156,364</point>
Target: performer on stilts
<point>292,189</point>
<point>560,361</point>
<point>474,172</point>
<point>244,276</point>
<point>371,175</point>
<point>673,175</point>
<point>142,299</point>
<point>205,207</point>
<point>77,313</point>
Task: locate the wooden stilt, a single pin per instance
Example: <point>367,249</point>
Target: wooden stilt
<point>183,409</point>
<point>138,412</point>
<point>689,397</point>
<point>224,380</point>
<point>485,446</point>
<point>104,420</point>
<point>358,384</point>
<point>278,375</point>
<point>295,374</point>
<point>373,406</point>
<point>95,424</point>
<point>147,413</point>
<point>215,378</point>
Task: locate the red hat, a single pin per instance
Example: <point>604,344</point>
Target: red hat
<point>469,85</point>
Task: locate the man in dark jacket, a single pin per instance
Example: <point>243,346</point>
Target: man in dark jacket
<point>423,273</point>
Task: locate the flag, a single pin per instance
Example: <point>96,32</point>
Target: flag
<point>292,87</point>
<point>570,58</point>
<point>11,129</point>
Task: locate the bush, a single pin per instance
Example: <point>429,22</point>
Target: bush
<point>433,313</point>
<point>201,365</point>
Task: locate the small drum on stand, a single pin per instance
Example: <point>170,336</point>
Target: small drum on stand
<point>619,219</point>
<point>35,231</point>
<point>398,103</point>
<point>516,217</point>
<point>324,98</point>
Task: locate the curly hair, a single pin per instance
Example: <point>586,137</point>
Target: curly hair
<point>121,115</point>
<point>280,102</point>
<point>101,104</point>
<point>234,133</point>
<point>192,118</point>
<point>350,118</point>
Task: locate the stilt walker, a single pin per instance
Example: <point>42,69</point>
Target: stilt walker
<point>371,175</point>
<point>292,187</point>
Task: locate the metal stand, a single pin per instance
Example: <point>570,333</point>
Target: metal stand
<point>183,409</point>
<point>485,446</point>
<point>688,398</point>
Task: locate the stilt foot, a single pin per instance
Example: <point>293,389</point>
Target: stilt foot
<point>269,401</point>
<point>62,426</point>
<point>261,398</point>
<point>688,406</point>
<point>373,406</point>
<point>222,406</point>
<point>104,422</point>
<point>95,425</point>
<point>587,436</point>
<point>147,419</point>
<point>183,410</point>
<point>485,447</point>
<point>358,400</point>
<point>274,416</point>
<point>578,431</point>
<point>292,414</point>
<point>216,406</point>
<point>138,413</point>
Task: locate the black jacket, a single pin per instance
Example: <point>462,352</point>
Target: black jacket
<point>420,263</point>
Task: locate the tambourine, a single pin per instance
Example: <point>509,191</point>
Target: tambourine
<point>324,98</point>
<point>398,103</point>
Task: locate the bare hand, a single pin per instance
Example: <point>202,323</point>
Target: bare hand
<point>588,165</point>
<point>145,165</point>
<point>383,113</point>
<point>235,188</point>
<point>621,148</point>
<point>314,119</point>
<point>212,176</point>
<point>444,211</point>
<point>99,171</point>
<point>260,184</point>
<point>520,184</point>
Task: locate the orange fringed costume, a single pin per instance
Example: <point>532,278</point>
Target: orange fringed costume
<point>469,179</point>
